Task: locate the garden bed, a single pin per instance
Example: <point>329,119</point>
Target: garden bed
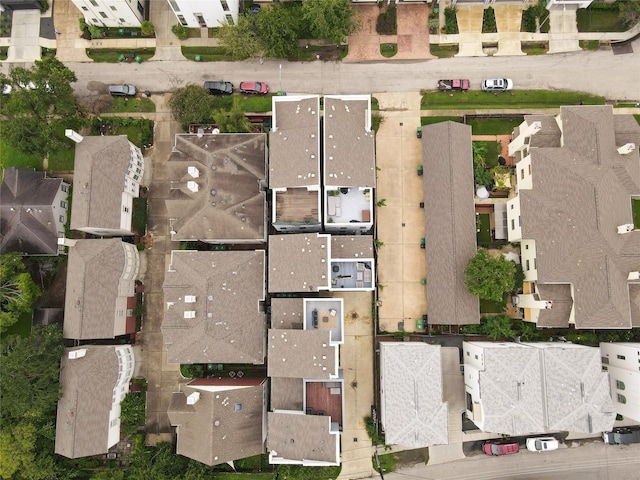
<point>207,54</point>
<point>112,55</point>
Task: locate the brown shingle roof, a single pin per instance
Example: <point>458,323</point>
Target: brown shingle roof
<point>450,224</point>
<point>228,325</point>
<point>287,393</point>
<point>298,262</point>
<point>87,383</point>
<point>549,134</point>
<point>101,164</point>
<point>27,218</point>
<point>581,193</point>
<point>560,296</point>
<point>95,288</point>
<point>294,146</point>
<point>302,437</point>
<point>301,354</point>
<point>224,424</point>
<point>287,313</point>
<point>230,201</point>
<point>350,247</point>
<point>349,148</point>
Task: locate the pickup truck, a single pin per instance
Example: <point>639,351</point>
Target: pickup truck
<point>622,436</point>
<point>453,85</point>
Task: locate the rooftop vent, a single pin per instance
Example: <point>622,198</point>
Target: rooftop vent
<point>626,228</point>
<point>193,186</point>
<point>77,353</point>
<point>189,299</point>
<point>193,398</point>
<point>73,135</point>
<point>190,314</point>
<point>634,276</point>
<point>627,148</point>
<point>194,172</point>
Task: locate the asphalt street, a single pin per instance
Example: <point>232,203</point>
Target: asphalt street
<point>617,77</point>
<point>593,461</point>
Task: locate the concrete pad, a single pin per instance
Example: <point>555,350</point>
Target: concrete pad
<point>25,37</point>
<point>563,31</point>
<point>470,45</point>
<point>391,306</point>
<point>469,17</point>
<point>389,188</point>
<point>391,218</point>
<point>413,258</point>
<point>509,45</point>
<point>509,16</point>
<point>414,301</point>
<point>389,269</point>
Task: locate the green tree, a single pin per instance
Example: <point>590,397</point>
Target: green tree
<point>278,30</point>
<point>191,104</point>
<point>489,277</point>
<point>18,292</point>
<point>132,412</point>
<point>180,31</point>
<point>333,20</point>
<point>629,12</point>
<point>499,326</point>
<point>240,39</point>
<point>233,121</point>
<point>40,107</point>
<point>147,28</point>
<point>17,448</point>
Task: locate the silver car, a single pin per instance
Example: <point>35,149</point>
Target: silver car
<point>122,90</point>
<point>497,84</point>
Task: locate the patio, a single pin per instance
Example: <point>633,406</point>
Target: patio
<point>349,205</point>
<point>351,275</point>
<point>325,398</point>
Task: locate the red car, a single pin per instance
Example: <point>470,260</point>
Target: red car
<point>500,448</point>
<point>259,88</point>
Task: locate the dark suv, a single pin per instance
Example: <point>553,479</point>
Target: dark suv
<point>622,436</point>
<point>219,88</point>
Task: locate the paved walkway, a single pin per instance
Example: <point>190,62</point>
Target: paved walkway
<point>508,23</point>
<point>563,32</point>
<point>25,36</point>
<point>469,16</point>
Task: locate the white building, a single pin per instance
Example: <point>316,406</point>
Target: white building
<point>111,13</point>
<point>205,13</point>
<point>622,361</point>
<point>94,381</point>
<point>107,176</point>
<point>527,388</point>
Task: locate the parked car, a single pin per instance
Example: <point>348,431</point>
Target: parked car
<point>219,88</point>
<point>259,88</point>
<point>622,436</point>
<point>497,84</point>
<point>122,90</point>
<point>500,448</point>
<point>542,444</point>
<point>455,84</point>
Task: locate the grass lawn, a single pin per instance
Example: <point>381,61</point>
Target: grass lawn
<point>126,105</point>
<point>242,476</point>
<point>113,55</point>
<point>62,159</point>
<point>590,44</point>
<point>444,51</point>
<point>514,99</point>
<point>4,51</point>
<point>534,48</point>
<point>11,157</point>
<point>635,208</point>
<point>491,159</point>
<point>599,20</point>
<point>637,117</point>
<point>22,327</point>
<point>388,50</point>
<point>482,224</point>
<point>493,126</point>
<point>391,461</point>
<point>432,120</point>
<point>490,306</point>
<point>256,104</point>
<point>207,54</point>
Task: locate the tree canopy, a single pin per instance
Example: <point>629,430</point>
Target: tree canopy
<point>40,106</point>
<point>18,292</point>
<point>332,20</point>
<point>489,277</point>
<point>240,39</point>
<point>234,120</point>
<point>191,104</point>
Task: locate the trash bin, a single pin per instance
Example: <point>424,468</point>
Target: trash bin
<point>122,58</point>
<point>138,59</point>
<point>198,58</point>
<point>419,132</point>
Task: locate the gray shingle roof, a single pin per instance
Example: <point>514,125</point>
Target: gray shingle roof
<point>302,437</point>
<point>287,313</point>
<point>95,288</point>
<point>287,393</point>
<point>560,295</point>
<point>581,193</point>
<point>87,383</point>
<point>301,354</point>
<point>549,134</point>
<point>298,262</point>
<point>228,325</point>
<point>223,425</point>
<point>538,387</point>
<point>101,164</point>
<point>351,247</point>
<point>349,142</point>
<point>27,218</point>
<point>413,411</point>
<point>294,144</point>
<point>230,201</point>
<point>450,222</point>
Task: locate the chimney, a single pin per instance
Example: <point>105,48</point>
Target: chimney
<point>627,148</point>
<point>634,276</point>
<point>73,135</point>
<point>73,354</point>
<point>193,398</point>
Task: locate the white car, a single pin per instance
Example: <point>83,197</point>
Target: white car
<point>542,444</point>
<point>497,84</point>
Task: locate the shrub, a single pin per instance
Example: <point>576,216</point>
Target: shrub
<point>489,21</point>
<point>375,435</point>
<point>387,22</point>
<point>180,31</point>
<point>44,5</point>
<point>147,28</point>
<point>132,413</point>
<point>84,28</point>
<point>192,371</point>
<point>95,31</point>
<point>450,20</point>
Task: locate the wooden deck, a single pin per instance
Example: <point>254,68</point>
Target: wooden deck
<point>320,398</point>
<point>297,205</point>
